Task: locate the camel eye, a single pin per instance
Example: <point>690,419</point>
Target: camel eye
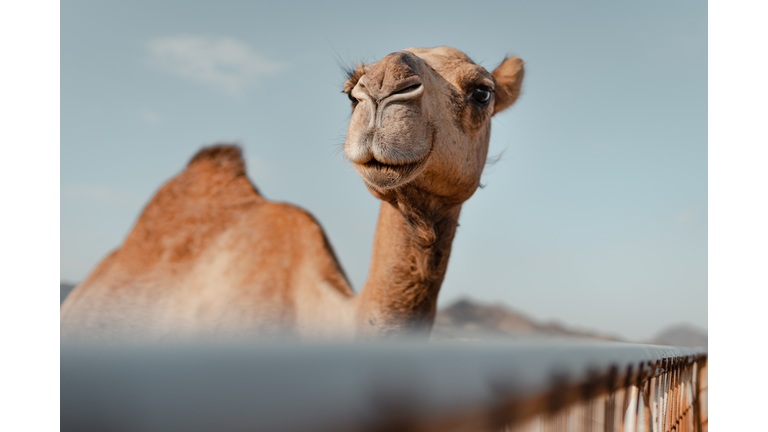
<point>481,95</point>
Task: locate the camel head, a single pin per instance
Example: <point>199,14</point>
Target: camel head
<point>422,118</point>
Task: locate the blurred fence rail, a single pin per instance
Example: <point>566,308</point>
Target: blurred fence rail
<point>531,385</point>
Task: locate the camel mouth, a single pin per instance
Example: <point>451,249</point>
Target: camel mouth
<point>375,164</point>
<point>386,176</point>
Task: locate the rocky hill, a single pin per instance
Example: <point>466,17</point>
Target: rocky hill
<point>469,320</point>
<point>683,335</point>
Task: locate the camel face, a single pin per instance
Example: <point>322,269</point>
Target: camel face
<point>422,117</point>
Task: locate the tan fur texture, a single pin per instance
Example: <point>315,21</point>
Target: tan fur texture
<point>209,257</point>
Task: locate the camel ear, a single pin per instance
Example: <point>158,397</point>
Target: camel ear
<point>353,76</point>
<point>509,78</point>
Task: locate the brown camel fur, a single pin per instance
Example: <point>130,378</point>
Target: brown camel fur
<point>210,257</point>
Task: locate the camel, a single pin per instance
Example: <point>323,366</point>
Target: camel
<point>210,257</point>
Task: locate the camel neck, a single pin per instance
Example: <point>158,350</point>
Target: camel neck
<point>410,256</point>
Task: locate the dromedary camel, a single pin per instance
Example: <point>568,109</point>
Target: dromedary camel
<point>210,257</point>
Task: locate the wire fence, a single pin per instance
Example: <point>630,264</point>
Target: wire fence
<point>524,385</point>
<point>666,395</point>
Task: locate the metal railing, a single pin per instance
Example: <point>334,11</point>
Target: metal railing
<point>528,385</point>
<point>668,394</point>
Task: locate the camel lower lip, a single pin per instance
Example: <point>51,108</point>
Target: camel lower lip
<point>386,176</point>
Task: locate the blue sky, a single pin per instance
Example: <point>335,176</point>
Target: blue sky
<point>595,216</point>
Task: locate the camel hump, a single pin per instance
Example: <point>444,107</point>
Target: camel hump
<point>193,208</point>
<point>215,174</point>
<point>223,157</point>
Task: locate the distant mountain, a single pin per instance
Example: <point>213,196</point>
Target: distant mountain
<point>467,320</point>
<point>682,335</point>
<point>66,288</point>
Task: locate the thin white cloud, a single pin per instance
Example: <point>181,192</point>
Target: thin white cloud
<point>225,63</point>
<point>101,194</point>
